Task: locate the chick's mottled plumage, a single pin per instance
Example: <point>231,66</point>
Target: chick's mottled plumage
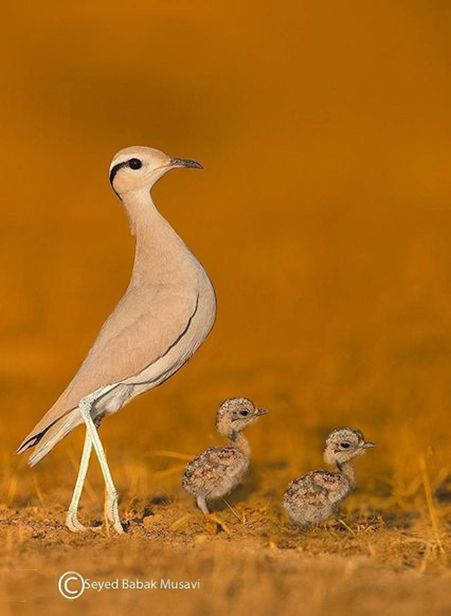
<point>315,496</point>
<point>217,470</point>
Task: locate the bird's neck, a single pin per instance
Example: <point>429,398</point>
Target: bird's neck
<point>156,240</point>
<point>348,471</point>
<point>239,441</point>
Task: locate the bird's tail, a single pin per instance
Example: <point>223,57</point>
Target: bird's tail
<point>46,440</point>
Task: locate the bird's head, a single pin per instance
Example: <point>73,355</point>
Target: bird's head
<point>138,168</point>
<point>235,414</point>
<point>344,444</point>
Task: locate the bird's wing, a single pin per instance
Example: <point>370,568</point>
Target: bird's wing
<point>143,327</point>
<point>327,481</point>
<point>212,464</point>
<point>314,484</point>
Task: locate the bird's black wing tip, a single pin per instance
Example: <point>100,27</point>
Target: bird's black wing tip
<point>31,442</point>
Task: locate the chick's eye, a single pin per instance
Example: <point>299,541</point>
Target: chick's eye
<point>345,445</point>
<point>244,413</point>
<point>135,163</point>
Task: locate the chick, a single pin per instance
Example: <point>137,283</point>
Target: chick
<point>315,496</point>
<point>217,470</point>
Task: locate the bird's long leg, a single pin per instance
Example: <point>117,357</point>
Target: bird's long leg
<point>85,406</point>
<point>72,521</point>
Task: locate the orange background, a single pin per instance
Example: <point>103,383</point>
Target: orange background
<point>323,217</point>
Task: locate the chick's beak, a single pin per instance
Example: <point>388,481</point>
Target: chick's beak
<point>368,445</point>
<point>261,412</point>
<point>185,162</point>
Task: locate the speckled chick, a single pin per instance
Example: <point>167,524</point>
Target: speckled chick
<point>217,470</point>
<point>315,496</point>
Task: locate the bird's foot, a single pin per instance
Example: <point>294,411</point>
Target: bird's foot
<point>75,526</point>
<point>213,517</point>
<point>112,514</point>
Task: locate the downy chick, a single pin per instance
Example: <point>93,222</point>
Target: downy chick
<point>217,470</point>
<point>315,496</point>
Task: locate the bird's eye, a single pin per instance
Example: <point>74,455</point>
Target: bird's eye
<point>244,413</point>
<point>135,163</point>
<point>345,445</point>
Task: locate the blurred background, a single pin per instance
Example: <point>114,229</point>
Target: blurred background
<point>323,217</point>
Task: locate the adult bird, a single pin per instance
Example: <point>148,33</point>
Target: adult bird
<point>163,317</point>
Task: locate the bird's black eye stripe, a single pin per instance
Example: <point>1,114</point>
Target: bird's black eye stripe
<point>135,163</point>
<point>115,169</point>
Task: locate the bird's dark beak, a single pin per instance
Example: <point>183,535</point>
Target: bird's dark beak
<point>368,445</point>
<point>261,412</point>
<point>185,162</point>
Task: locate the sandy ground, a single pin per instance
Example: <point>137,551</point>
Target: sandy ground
<point>371,566</point>
<point>381,556</point>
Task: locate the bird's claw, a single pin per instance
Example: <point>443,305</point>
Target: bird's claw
<point>112,514</point>
<point>75,526</point>
<point>217,520</point>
